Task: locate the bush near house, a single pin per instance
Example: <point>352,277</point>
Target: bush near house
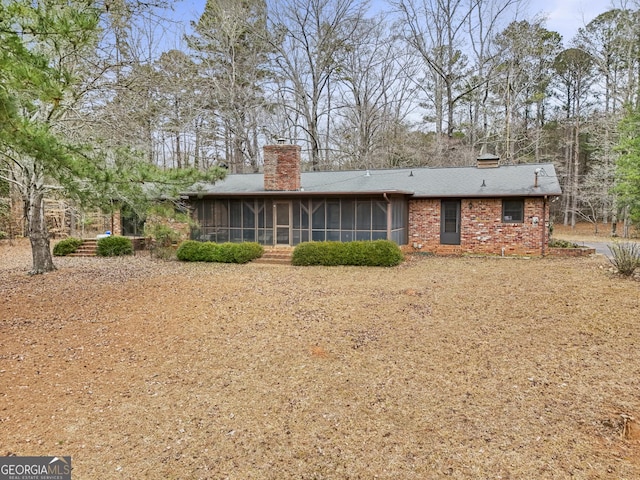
<point>378,253</point>
<point>66,246</point>
<point>114,246</point>
<point>555,243</point>
<point>194,251</point>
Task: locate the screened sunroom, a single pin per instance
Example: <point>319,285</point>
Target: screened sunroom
<point>290,221</point>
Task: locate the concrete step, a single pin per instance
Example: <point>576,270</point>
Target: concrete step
<point>276,256</point>
<point>87,249</point>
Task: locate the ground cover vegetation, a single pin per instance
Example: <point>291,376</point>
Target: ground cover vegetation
<point>439,368</point>
<point>101,107</point>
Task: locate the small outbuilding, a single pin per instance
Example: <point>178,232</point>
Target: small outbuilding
<point>488,208</point>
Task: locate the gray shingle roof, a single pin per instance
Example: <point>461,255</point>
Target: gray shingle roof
<point>504,181</point>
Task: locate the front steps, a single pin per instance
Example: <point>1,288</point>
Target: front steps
<point>87,249</point>
<point>280,255</point>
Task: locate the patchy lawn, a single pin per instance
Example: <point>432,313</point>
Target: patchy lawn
<point>462,367</point>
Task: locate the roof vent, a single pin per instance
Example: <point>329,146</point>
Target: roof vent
<point>487,160</point>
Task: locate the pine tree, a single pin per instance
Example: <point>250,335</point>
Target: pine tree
<point>628,165</point>
<point>46,48</point>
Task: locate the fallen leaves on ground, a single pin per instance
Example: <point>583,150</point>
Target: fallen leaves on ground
<point>462,367</point>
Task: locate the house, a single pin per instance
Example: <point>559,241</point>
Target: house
<point>489,208</point>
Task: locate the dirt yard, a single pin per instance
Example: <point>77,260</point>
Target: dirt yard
<point>467,368</point>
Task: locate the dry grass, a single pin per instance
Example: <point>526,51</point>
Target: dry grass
<point>462,367</point>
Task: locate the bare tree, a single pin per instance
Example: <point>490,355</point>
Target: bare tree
<point>310,39</point>
<point>445,34</point>
<point>376,94</point>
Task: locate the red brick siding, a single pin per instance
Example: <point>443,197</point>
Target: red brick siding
<point>424,223</point>
<point>116,223</point>
<point>481,227</point>
<point>282,167</point>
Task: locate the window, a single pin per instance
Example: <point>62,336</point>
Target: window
<point>513,211</point>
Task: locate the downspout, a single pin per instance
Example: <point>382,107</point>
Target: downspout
<point>544,223</point>
<point>389,217</point>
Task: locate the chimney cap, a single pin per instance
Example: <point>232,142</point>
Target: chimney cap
<point>488,156</point>
<point>488,160</point>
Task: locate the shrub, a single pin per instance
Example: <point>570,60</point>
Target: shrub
<point>190,251</point>
<point>194,251</point>
<point>245,252</point>
<point>3,235</point>
<point>626,257</point>
<point>114,246</point>
<point>163,235</point>
<point>379,253</point>
<point>555,243</point>
<point>66,246</point>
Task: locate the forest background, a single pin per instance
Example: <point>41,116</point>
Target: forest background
<point>121,92</point>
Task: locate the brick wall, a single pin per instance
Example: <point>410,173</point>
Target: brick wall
<point>282,167</point>
<point>481,227</point>
<point>115,223</point>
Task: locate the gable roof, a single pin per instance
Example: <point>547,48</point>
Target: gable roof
<point>503,181</point>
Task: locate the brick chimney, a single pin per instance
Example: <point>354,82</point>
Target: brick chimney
<point>487,160</point>
<point>281,167</point>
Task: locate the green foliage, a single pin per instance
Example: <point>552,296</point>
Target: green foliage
<point>626,257</point>
<point>555,243</point>
<point>245,252</point>
<point>628,164</point>
<point>3,235</point>
<point>67,246</point>
<point>163,239</point>
<point>194,251</point>
<point>33,82</point>
<point>114,246</point>
<point>379,253</point>
<point>163,235</point>
<point>191,251</point>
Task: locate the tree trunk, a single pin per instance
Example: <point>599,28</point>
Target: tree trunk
<point>576,176</point>
<point>38,235</point>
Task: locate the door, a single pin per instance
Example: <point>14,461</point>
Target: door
<point>282,222</point>
<point>450,222</point>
